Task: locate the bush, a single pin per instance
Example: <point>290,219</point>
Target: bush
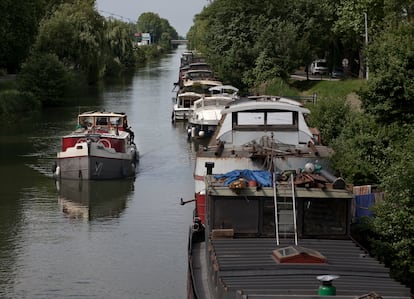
<point>16,103</point>
<point>45,77</point>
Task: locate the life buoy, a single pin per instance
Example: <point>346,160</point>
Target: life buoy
<point>105,143</point>
<point>80,140</point>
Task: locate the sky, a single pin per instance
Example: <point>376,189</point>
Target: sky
<point>179,13</point>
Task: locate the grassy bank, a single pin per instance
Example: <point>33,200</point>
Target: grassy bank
<point>323,88</point>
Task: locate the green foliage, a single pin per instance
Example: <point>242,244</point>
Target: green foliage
<point>121,51</point>
<point>14,103</point>
<point>160,29</point>
<point>7,83</point>
<point>333,89</point>
<point>45,77</point>
<point>250,43</point>
<point>329,115</point>
<point>75,33</point>
<point>390,93</point>
<point>278,86</point>
<point>358,149</point>
<point>18,29</point>
<point>150,52</point>
<point>394,217</point>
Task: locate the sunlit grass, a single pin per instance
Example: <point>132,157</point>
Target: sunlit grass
<point>334,89</point>
<point>323,88</point>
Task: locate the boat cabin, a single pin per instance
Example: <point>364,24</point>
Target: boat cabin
<point>213,101</point>
<point>187,99</point>
<point>198,74</point>
<point>103,119</point>
<point>108,128</point>
<point>252,119</point>
<point>310,210</point>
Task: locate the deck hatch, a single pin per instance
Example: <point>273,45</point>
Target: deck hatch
<point>298,255</point>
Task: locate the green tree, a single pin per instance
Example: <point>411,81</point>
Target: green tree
<point>390,93</point>
<point>45,77</point>
<point>161,30</point>
<point>248,43</point>
<point>15,104</point>
<point>394,217</point>
<point>75,33</point>
<point>120,44</point>
<point>18,29</point>
<point>330,115</point>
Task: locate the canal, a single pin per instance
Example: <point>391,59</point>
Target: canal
<point>116,239</point>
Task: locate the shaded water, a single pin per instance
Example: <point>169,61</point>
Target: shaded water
<point>118,239</point>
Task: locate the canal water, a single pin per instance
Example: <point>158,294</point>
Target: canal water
<point>115,239</point>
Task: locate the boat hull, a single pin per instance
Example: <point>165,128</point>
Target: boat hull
<point>95,168</point>
<point>181,114</point>
<point>201,131</point>
<point>94,162</point>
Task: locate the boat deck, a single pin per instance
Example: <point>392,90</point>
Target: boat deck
<point>248,268</point>
<point>199,263</point>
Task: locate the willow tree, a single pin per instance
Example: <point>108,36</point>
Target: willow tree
<point>75,33</point>
<point>121,53</point>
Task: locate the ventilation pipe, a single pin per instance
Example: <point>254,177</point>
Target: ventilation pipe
<point>209,166</point>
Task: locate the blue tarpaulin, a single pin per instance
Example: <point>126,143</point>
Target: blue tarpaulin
<point>363,205</point>
<point>262,177</point>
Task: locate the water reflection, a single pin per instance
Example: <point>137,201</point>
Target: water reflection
<point>92,200</point>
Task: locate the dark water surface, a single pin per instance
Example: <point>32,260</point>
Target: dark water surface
<point>117,239</point>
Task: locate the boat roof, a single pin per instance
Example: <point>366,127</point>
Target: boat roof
<point>275,98</point>
<point>102,114</point>
<point>247,267</point>
<point>202,82</point>
<point>201,63</point>
<point>189,94</point>
<point>274,103</point>
<point>223,87</point>
<point>199,71</point>
<point>218,97</point>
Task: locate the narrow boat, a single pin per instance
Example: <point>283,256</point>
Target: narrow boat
<point>102,147</point>
<point>271,220</point>
<point>206,115</point>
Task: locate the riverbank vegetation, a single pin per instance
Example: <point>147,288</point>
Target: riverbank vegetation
<point>368,121</point>
<point>54,45</point>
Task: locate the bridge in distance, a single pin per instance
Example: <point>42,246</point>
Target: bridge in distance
<point>179,41</point>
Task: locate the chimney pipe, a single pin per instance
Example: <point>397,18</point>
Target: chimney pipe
<point>209,166</point>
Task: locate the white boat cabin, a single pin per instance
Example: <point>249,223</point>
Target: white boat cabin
<point>279,118</point>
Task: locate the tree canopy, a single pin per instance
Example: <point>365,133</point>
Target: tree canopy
<point>159,28</point>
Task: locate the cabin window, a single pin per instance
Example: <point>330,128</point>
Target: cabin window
<point>115,121</point>
<point>269,120</point>
<point>325,217</point>
<point>280,118</point>
<point>187,103</point>
<point>240,215</point>
<point>251,118</point>
<point>86,121</point>
<point>101,121</point>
